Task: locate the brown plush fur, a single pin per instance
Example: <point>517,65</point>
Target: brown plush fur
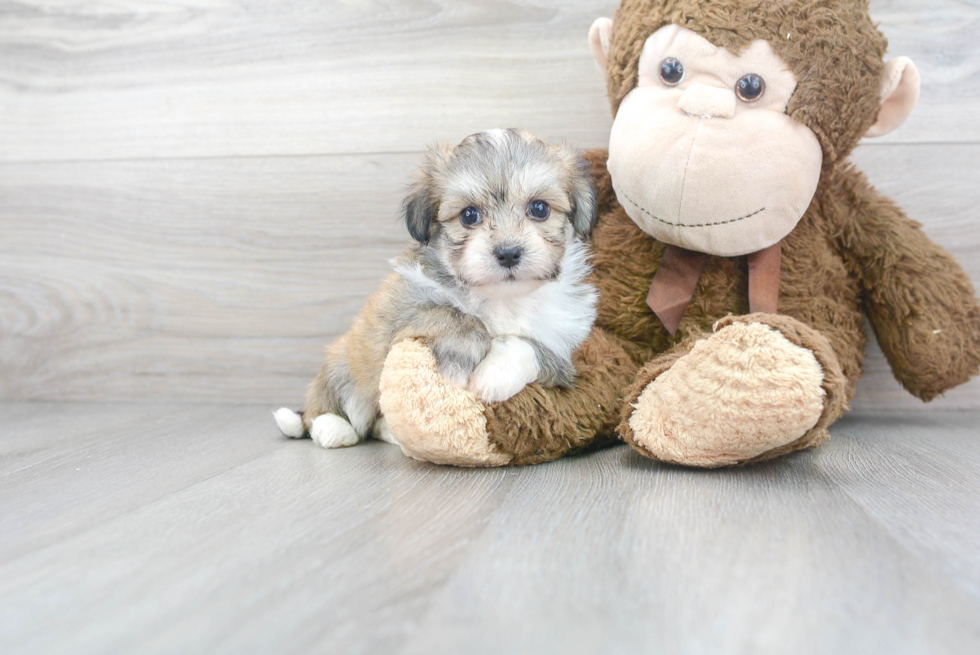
<point>540,424</point>
<point>853,254</point>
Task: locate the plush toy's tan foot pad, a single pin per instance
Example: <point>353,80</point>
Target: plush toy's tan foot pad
<point>741,392</point>
<point>433,419</point>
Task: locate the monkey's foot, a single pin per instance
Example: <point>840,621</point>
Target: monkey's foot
<point>759,386</point>
<point>433,419</point>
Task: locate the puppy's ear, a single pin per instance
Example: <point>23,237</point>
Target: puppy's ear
<point>581,191</point>
<point>420,209</point>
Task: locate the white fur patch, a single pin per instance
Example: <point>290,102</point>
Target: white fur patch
<point>382,432</point>
<point>498,135</point>
<point>331,431</point>
<point>360,410</point>
<point>558,315</point>
<point>290,423</point>
<point>509,366</point>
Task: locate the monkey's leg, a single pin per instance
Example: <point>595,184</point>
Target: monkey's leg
<point>759,386</point>
<point>436,421</point>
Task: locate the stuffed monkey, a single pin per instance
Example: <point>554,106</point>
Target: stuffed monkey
<point>737,251</point>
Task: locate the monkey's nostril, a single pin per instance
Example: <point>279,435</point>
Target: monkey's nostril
<point>509,257</point>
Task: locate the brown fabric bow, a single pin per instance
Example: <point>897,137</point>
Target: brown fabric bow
<point>675,281</point>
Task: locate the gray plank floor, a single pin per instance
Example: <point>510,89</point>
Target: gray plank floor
<point>131,528</point>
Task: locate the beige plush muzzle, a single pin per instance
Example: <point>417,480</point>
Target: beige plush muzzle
<point>698,168</point>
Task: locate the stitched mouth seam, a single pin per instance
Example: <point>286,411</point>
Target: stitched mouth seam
<point>733,220</point>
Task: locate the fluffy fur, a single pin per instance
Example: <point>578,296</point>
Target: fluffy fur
<point>496,284</point>
<point>696,422</point>
<point>854,254</point>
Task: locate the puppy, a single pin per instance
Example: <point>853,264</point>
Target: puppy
<point>496,284</point>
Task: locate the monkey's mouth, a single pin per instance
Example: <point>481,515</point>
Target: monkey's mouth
<point>650,214</point>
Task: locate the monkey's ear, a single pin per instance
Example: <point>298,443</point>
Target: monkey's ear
<point>599,35</point>
<point>583,197</point>
<point>420,209</point>
<point>899,93</point>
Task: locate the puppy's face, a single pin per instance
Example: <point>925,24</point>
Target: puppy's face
<point>500,209</point>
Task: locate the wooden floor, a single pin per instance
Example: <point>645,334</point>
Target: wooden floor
<point>130,528</point>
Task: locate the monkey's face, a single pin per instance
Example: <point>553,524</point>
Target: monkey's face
<point>702,154</point>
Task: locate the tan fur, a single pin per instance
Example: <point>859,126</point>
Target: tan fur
<point>434,420</point>
<point>364,348</point>
<point>719,404</point>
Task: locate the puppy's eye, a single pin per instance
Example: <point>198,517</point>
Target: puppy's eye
<point>671,71</point>
<point>750,88</point>
<point>539,210</point>
<point>470,217</point>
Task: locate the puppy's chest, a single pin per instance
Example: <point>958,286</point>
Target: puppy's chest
<point>553,314</point>
<point>511,317</point>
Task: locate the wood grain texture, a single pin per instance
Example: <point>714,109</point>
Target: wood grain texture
<point>188,279</point>
<point>214,265</point>
<point>223,279</point>
<point>126,79</point>
<point>108,460</point>
<point>197,529</point>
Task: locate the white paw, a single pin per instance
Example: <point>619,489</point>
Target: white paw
<point>382,432</point>
<point>290,423</point>
<point>509,367</point>
<point>331,431</point>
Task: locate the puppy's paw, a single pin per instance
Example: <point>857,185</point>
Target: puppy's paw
<point>382,432</point>
<point>459,354</point>
<point>510,366</point>
<point>290,423</point>
<point>331,431</point>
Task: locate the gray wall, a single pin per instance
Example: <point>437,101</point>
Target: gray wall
<point>195,197</point>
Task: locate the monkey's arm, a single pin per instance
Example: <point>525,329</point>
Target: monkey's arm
<point>435,421</point>
<point>541,424</point>
<point>920,302</point>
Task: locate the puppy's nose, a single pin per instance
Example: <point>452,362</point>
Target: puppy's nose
<point>509,256</point>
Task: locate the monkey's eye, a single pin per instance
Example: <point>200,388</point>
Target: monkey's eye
<point>750,88</point>
<point>539,210</point>
<point>671,71</point>
<point>470,217</point>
